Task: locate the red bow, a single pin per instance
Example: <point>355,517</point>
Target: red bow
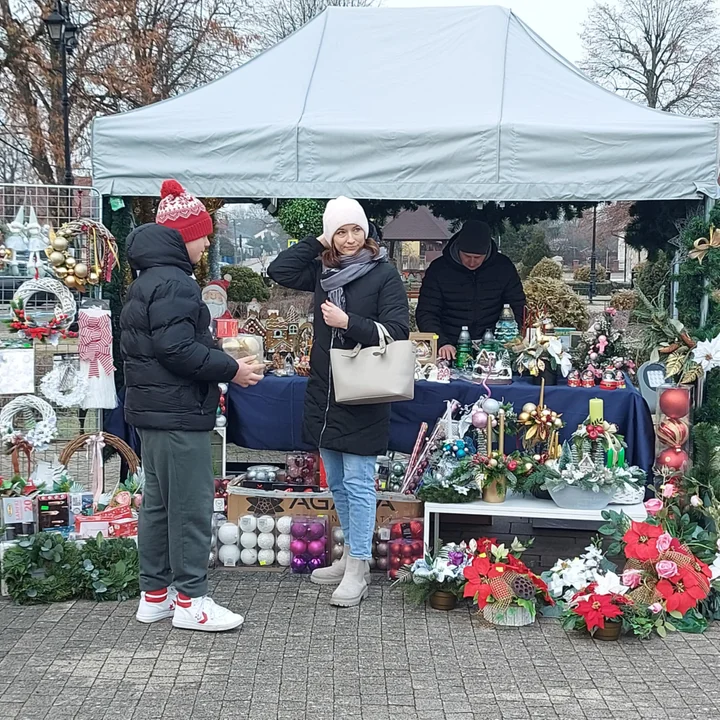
<point>95,342</point>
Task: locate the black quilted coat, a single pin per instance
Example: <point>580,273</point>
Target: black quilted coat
<point>452,296</point>
<point>172,366</point>
<point>378,296</point>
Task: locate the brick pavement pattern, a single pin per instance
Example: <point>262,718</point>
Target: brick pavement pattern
<point>297,657</point>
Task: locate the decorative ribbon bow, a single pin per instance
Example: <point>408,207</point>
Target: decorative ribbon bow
<point>95,342</point>
<point>702,245</point>
<point>95,445</point>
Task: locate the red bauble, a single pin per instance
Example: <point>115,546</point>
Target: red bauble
<point>416,529</point>
<point>418,548</point>
<point>675,402</point>
<point>395,562</point>
<point>672,432</point>
<point>392,574</point>
<point>396,531</point>
<point>674,458</point>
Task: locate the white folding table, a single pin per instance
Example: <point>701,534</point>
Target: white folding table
<point>520,507</point>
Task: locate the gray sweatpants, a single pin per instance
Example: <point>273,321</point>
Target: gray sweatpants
<point>174,528</point>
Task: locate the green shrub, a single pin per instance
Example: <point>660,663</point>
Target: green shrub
<point>565,307</point>
<point>547,268</point>
<point>624,300</point>
<point>245,284</point>
<point>301,217</point>
<point>535,252</point>
<point>651,276</point>
<point>582,273</point>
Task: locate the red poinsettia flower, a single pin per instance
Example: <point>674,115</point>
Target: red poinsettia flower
<point>640,541</point>
<point>596,610</point>
<point>541,585</point>
<point>682,593</point>
<point>497,570</point>
<point>517,565</point>
<point>483,596</point>
<point>702,568</point>
<point>476,575</point>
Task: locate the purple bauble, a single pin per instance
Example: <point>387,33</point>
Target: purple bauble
<point>310,480</point>
<point>294,472</point>
<point>382,563</point>
<point>316,530</point>
<point>310,462</point>
<point>316,547</point>
<point>298,530</point>
<point>298,565</point>
<point>382,549</point>
<point>316,563</point>
<point>298,547</point>
<point>479,419</point>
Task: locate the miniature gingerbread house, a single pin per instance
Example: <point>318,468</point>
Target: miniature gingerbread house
<point>253,326</point>
<point>277,337</point>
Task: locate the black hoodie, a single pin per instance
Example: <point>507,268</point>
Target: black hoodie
<point>172,365</point>
<point>452,296</point>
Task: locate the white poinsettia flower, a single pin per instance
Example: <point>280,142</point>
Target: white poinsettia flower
<point>707,354</point>
<point>715,567</point>
<point>556,349</point>
<point>609,584</point>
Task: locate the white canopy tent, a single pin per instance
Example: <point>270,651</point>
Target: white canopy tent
<point>419,104</point>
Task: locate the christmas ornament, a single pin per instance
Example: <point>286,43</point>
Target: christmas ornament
<point>298,547</point>
<point>672,432</point>
<point>265,524</point>
<point>491,406</point>
<point>316,563</point>
<point>229,554</point>
<point>284,558</point>
<point>479,419</point>
<point>316,547</point>
<point>248,523</point>
<point>248,556</point>
<point>337,551</point>
<point>228,534</point>
<point>284,524</point>
<point>266,556</point>
<point>298,564</point>
<point>382,549</point>
<point>284,541</point>
<point>248,540</point>
<point>674,458</point>
<point>266,541</point>
<point>675,402</point>
<point>382,564</point>
<point>298,530</point>
<point>315,530</point>
<point>337,535</point>
<point>96,357</point>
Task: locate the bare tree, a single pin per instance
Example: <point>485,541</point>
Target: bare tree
<point>662,53</point>
<point>274,20</point>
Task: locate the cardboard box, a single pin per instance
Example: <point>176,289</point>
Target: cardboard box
<point>243,501</point>
<point>18,510</point>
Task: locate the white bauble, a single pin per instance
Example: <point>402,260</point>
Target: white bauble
<point>249,556</point>
<point>248,539</point>
<point>337,535</point>
<point>266,557</point>
<point>284,524</point>
<point>284,558</point>
<point>248,523</point>
<point>283,542</point>
<point>229,554</point>
<point>491,406</point>
<point>265,524</point>
<point>266,540</point>
<point>228,533</point>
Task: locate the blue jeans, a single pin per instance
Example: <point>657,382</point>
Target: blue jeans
<point>351,479</point>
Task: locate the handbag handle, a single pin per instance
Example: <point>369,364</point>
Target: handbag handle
<point>385,338</point>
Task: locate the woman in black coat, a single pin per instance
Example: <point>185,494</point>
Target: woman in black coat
<point>355,287</point>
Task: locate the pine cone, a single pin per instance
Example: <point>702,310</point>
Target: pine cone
<point>523,588</point>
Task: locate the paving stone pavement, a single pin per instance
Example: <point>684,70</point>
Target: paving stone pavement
<point>296,657</point>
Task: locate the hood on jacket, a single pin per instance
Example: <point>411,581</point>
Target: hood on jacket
<point>451,252</point>
<point>152,245</point>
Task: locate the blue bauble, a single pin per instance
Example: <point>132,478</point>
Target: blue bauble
<point>461,453</point>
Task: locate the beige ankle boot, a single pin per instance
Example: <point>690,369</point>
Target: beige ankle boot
<point>353,587</point>
<point>333,575</point>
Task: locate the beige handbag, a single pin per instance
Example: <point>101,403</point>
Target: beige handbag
<point>372,375</point>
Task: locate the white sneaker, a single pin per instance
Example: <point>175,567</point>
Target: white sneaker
<point>203,614</point>
<point>150,611</point>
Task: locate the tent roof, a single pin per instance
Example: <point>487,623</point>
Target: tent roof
<point>419,104</point>
<point>418,224</point>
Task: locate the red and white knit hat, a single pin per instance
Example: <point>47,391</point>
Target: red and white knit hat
<point>183,212</point>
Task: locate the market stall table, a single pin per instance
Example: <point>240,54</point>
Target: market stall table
<point>519,506</point>
<point>268,416</point>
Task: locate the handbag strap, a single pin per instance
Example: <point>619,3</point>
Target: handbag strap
<point>384,339</point>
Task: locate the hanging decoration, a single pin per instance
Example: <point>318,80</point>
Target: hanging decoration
<point>17,371</point>
<point>96,363</point>
<point>37,242</point>
<point>64,385</point>
<point>702,245</point>
<point>29,326</point>
<point>83,252</point>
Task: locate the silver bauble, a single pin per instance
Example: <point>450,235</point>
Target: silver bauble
<point>338,535</point>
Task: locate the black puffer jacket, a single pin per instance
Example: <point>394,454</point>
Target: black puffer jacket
<point>378,296</point>
<point>172,366</point>
<point>452,296</point>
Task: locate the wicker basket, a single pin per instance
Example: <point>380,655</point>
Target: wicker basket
<point>123,449</point>
<point>628,495</point>
<point>514,616</point>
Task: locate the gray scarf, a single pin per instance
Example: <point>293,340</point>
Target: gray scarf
<point>352,267</point>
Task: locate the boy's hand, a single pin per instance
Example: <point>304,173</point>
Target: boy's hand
<point>249,372</point>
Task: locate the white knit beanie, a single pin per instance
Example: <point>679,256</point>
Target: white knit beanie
<point>343,211</point>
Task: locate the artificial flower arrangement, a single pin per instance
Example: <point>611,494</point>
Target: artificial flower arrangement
<point>25,326</point>
<point>568,577</point>
<point>448,480</point>
<point>497,473</point>
<point>506,591</point>
<point>127,494</point>
<point>433,574</point>
<point>545,353</point>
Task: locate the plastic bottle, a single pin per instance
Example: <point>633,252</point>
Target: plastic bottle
<point>464,348</point>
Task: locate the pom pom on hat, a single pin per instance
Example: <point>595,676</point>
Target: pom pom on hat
<point>181,211</point>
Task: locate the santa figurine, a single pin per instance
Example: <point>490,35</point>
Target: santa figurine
<point>214,295</point>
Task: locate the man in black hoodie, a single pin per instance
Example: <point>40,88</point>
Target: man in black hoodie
<point>468,285</point>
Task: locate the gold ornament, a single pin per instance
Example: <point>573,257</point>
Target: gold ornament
<point>70,281</point>
<point>70,262</point>
<point>523,417</point>
<point>558,422</point>
<point>60,244</point>
<point>529,407</point>
<point>57,258</point>
<point>93,278</point>
<point>528,467</point>
<point>61,272</point>
<point>536,458</point>
<point>81,270</point>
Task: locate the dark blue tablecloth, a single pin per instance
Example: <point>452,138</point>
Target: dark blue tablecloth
<point>269,415</point>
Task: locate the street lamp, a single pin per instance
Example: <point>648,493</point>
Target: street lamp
<point>63,35</point>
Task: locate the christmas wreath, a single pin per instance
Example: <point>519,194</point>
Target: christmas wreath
<point>27,326</point>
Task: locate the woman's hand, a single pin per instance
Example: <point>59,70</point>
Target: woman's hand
<point>333,316</point>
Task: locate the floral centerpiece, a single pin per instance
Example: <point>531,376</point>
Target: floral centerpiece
<point>449,480</point>
<point>568,577</point>
<point>438,578</point>
<point>497,473</point>
<point>603,346</point>
<point>506,591</point>
<point>544,356</point>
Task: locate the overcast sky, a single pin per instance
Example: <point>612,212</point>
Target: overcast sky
<point>558,22</point>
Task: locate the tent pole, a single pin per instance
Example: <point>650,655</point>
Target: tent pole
<point>704,309</point>
<point>593,257</point>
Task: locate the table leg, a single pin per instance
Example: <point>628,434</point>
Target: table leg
<point>426,528</point>
<point>436,532</point>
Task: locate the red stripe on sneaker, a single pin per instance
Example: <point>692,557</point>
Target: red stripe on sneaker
<point>204,619</point>
<point>156,598</point>
<point>156,593</point>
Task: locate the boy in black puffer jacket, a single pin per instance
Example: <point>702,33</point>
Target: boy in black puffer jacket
<point>172,371</point>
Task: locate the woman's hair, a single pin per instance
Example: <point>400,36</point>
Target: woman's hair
<point>331,257</point>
